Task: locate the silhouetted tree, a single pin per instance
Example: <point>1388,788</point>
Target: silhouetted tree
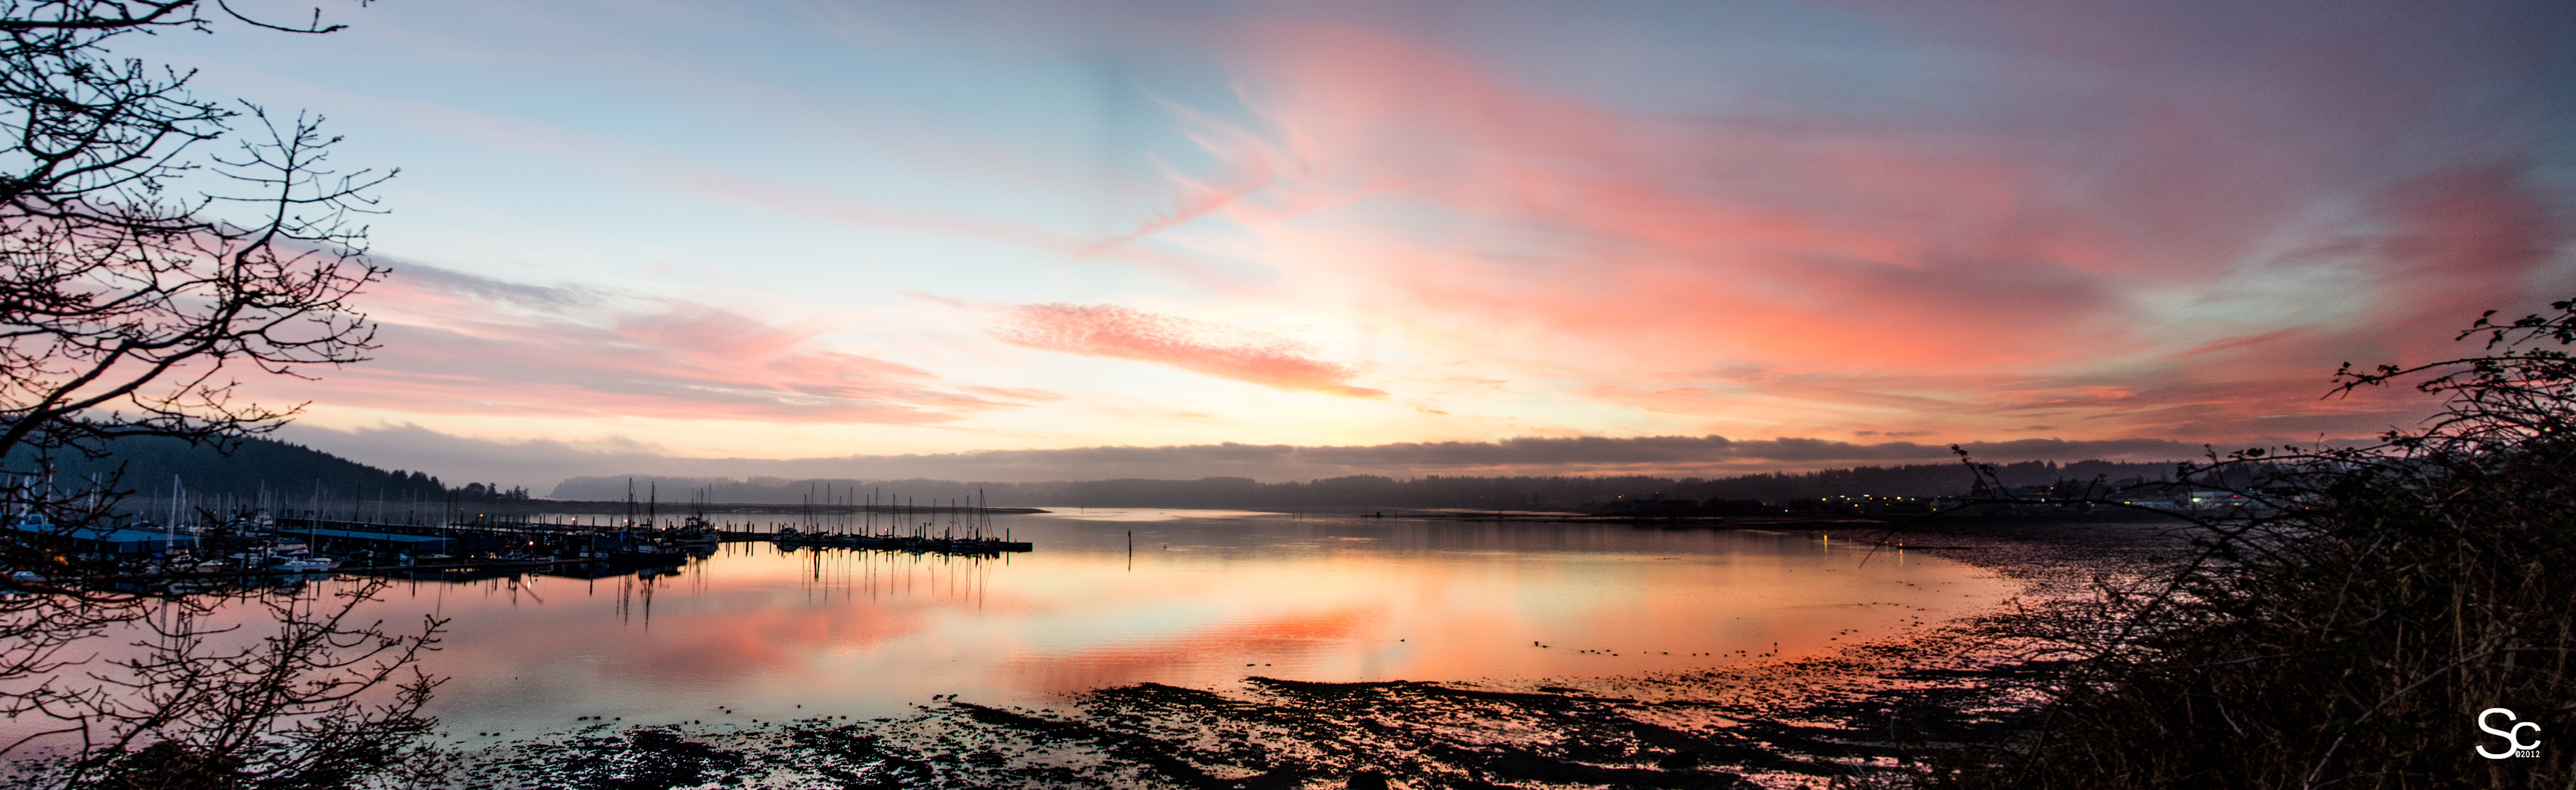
<point>127,306</point>
<point>155,246</point>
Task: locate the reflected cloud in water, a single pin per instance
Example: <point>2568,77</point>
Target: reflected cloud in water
<point>1203,600</point>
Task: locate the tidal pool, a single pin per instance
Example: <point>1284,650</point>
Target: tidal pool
<point>1204,599</point>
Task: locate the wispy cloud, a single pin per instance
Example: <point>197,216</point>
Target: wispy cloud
<point>1863,218</point>
<point>1107,330</point>
<point>459,343</point>
<point>1982,252</point>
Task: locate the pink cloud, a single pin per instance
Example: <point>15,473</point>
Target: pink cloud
<point>2460,237</point>
<point>1958,267</point>
<point>1753,241</point>
<point>460,344</point>
<point>1107,330</point>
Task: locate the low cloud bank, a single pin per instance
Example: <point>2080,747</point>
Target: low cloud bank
<point>541,464</point>
<point>1667,455</point>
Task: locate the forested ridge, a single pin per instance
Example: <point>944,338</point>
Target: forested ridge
<point>147,465</point>
<point>1431,491</point>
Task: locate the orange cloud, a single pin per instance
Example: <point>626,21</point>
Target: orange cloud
<point>1107,330</point>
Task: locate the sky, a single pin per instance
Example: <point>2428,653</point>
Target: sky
<point>674,237</point>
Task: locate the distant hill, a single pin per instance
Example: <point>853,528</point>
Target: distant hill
<point>287,473</point>
<point>1356,491</point>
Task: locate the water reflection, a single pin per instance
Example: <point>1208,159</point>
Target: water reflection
<point>1201,600</point>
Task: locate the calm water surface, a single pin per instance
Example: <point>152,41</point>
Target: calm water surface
<point>1205,599</point>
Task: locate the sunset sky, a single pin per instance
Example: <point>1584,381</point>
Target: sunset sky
<point>631,234</point>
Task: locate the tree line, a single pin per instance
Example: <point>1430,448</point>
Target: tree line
<point>283,471</point>
<point>1430,491</point>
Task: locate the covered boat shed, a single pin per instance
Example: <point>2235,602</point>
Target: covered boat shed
<point>106,540</point>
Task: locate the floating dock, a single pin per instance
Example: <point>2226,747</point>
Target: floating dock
<point>971,545</point>
<point>572,542</point>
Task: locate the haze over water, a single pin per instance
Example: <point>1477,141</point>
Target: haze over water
<point>1209,598</point>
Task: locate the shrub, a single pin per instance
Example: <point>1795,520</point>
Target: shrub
<point>2347,629</point>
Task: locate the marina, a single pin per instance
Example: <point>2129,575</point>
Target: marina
<point>257,547</point>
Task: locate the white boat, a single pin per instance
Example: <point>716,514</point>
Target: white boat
<point>308,564</point>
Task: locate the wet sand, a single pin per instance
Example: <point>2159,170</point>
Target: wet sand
<point>1799,723</point>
